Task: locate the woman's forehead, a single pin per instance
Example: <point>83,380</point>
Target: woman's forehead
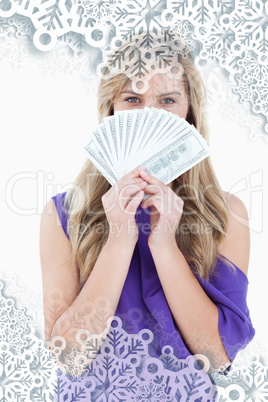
<point>159,82</point>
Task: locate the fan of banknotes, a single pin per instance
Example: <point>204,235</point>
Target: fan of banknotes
<point>162,141</point>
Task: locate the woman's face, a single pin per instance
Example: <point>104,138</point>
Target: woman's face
<point>163,93</point>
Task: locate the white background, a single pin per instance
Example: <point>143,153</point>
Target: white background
<point>46,120</point>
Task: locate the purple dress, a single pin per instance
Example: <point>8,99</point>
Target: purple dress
<point>143,304</point>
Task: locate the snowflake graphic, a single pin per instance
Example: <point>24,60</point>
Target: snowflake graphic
<point>122,367</point>
<point>100,10</point>
<point>252,83</point>
<point>4,28</point>
<point>221,87</point>
<point>13,322</point>
<point>17,52</point>
<point>233,33</point>
<point>185,29</point>
<point>247,383</point>
<point>249,21</point>
<point>156,321</point>
<point>90,83</point>
<point>115,366</point>
<point>152,392</point>
<point>219,45</point>
<point>25,363</point>
<point>22,25</point>
<point>138,17</point>
<point>53,63</point>
<point>139,59</point>
<point>253,380</point>
<point>227,31</point>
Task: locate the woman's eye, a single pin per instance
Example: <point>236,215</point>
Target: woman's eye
<point>167,101</point>
<point>132,99</point>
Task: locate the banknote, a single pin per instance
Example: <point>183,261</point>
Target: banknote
<point>98,160</point>
<point>165,143</point>
<point>177,157</point>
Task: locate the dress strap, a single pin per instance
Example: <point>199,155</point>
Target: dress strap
<point>62,210</point>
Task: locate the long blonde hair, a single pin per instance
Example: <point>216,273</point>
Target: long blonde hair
<point>204,219</point>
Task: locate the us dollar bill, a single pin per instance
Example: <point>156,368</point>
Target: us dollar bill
<point>165,143</point>
<point>98,160</point>
<point>178,157</point>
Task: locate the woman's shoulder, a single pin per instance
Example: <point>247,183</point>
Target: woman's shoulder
<point>235,204</point>
<point>236,244</point>
<point>55,212</point>
<point>59,199</point>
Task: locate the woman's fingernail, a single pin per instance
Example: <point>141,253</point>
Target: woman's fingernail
<point>145,173</point>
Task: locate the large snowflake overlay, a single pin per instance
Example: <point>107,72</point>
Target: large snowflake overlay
<point>115,366</point>
<point>247,383</point>
<point>141,56</point>
<point>219,87</point>
<point>101,11</point>
<point>26,366</point>
<point>124,370</point>
<point>234,33</point>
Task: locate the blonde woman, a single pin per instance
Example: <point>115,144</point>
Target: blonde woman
<point>175,263</point>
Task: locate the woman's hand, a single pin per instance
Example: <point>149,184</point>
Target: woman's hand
<point>120,204</point>
<point>166,211</point>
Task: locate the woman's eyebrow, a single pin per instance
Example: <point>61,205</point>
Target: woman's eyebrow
<point>170,93</point>
<point>165,94</point>
<point>129,92</point>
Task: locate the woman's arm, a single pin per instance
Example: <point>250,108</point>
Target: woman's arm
<point>74,307</point>
<point>67,308</point>
<point>195,314</point>
<point>236,244</point>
